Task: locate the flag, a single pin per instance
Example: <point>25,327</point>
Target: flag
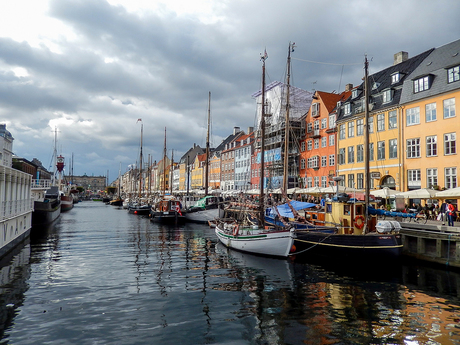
<point>178,209</point>
<point>265,56</point>
<point>139,120</point>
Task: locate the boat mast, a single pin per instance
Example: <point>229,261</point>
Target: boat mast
<point>54,157</point>
<point>286,129</point>
<point>262,147</point>
<point>206,181</point>
<point>164,167</point>
<point>366,142</point>
<point>140,165</point>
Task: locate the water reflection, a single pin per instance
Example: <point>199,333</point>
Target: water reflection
<point>101,275</point>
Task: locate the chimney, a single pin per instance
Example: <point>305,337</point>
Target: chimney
<point>400,57</point>
<point>348,87</point>
<point>236,130</point>
<point>250,130</point>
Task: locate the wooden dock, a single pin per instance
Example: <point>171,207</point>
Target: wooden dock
<point>432,242</point>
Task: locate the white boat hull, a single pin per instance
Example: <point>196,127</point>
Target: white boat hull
<point>202,216</point>
<point>257,241</point>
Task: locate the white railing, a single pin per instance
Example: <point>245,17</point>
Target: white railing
<point>41,184</point>
<point>15,208</point>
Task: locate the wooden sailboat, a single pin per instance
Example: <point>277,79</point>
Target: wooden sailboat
<point>357,235</point>
<point>168,209</point>
<point>139,207</point>
<point>256,239</point>
<point>118,201</point>
<point>207,208</point>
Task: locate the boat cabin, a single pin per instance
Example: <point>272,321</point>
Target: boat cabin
<point>348,216</point>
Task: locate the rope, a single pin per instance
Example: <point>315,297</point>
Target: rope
<point>303,251</point>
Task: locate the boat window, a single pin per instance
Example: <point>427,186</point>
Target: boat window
<point>329,208</point>
<point>346,209</point>
<point>359,209</point>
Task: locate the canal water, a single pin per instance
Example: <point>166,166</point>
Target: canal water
<point>102,276</point>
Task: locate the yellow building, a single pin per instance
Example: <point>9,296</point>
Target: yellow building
<point>430,100</point>
<point>214,170</point>
<point>197,172</point>
<point>385,149</point>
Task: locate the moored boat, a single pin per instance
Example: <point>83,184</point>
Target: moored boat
<point>167,210</point>
<point>16,202</point>
<point>255,240</point>
<point>47,205</point>
<point>204,210</point>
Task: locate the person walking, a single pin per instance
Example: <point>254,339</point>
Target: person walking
<point>450,213</point>
<point>443,211</point>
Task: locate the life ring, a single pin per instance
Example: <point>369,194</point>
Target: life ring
<point>236,229</point>
<point>359,225</point>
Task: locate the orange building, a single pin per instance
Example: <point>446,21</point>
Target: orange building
<point>317,149</point>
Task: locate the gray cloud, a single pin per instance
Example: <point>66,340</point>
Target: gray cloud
<point>160,66</point>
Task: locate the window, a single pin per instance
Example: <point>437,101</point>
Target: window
<point>449,144</point>
<point>360,127</point>
<point>450,176</point>
<point>370,124</point>
<point>315,109</point>
<point>309,182</point>
<point>380,122</point>
<point>360,180</point>
<point>430,112</point>
<point>309,127</point>
<point>360,153</point>
<point>324,181</point>
<point>393,153</point>
<point>414,178</point>
<point>302,163</point>
<point>351,180</point>
<point>381,150</point>
<point>341,156</point>
<point>431,146</point>
<point>413,148</point>
<point>332,140</point>
<point>351,154</point>
<point>347,109</point>
<point>371,151</point>
<point>316,126</point>
<point>342,132</point>
<point>387,96</point>
<point>324,123</point>
<point>316,143</point>
<point>431,177</point>
<point>324,142</point>
<point>332,121</point>
<point>449,108</point>
<point>309,145</point>
<point>453,74</point>
<point>324,161</point>
<point>395,77</point>
<point>302,146</point>
<point>354,93</point>
<point>331,160</point>
<point>316,179</point>
<point>413,116</point>
<point>351,129</point>
<point>422,84</point>
<point>392,120</point>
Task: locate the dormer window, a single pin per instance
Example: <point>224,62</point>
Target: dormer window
<point>315,109</point>
<point>453,74</point>
<point>387,95</point>
<point>423,83</point>
<point>395,77</point>
<point>354,93</point>
<point>347,108</point>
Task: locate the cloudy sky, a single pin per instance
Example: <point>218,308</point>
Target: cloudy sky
<point>92,68</point>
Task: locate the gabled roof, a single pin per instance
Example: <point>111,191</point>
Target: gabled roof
<point>330,99</point>
<point>381,81</point>
<point>228,140</point>
<point>435,64</point>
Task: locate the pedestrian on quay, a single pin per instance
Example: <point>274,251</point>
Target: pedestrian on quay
<point>443,211</point>
<point>450,213</point>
